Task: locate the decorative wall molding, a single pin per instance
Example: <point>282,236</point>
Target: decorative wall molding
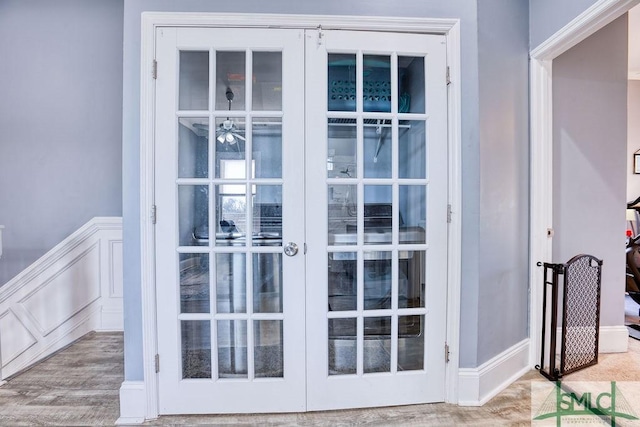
<point>73,289</point>
<point>476,386</point>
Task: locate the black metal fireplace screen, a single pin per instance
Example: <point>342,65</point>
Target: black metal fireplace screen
<point>573,302</point>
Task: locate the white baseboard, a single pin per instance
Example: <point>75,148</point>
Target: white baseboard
<point>73,289</point>
<point>613,339</point>
<point>111,320</point>
<point>476,386</point>
<point>133,403</point>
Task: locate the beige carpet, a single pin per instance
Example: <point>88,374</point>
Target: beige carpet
<point>613,367</point>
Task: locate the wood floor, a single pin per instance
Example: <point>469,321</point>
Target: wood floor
<point>79,387</point>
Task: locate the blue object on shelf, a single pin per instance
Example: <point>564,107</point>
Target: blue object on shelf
<point>376,92</point>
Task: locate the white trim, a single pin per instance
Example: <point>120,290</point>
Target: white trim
<point>111,320</point>
<point>132,403</point>
<point>153,20</point>
<point>478,385</point>
<point>147,200</point>
<point>455,199</point>
<point>29,330</point>
<point>111,279</point>
<point>328,22</point>
<point>591,20</point>
<point>541,171</point>
<point>587,23</point>
<point>613,339</point>
<point>58,252</point>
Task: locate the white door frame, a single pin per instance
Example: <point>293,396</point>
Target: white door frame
<point>152,20</point>
<point>591,20</point>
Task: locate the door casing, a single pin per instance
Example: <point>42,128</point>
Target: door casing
<point>150,21</point>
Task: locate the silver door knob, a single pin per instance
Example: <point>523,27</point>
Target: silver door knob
<point>290,249</point>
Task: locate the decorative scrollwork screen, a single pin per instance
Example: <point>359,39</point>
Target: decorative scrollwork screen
<point>574,304</point>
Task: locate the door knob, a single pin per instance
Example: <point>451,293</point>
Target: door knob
<point>290,249</point>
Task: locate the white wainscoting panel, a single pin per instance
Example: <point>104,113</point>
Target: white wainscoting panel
<point>16,338</point>
<point>115,268</point>
<point>111,280</point>
<point>73,289</point>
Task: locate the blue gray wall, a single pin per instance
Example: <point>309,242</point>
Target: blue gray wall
<point>503,292</point>
<point>589,158</point>
<point>60,122</point>
<point>548,16</point>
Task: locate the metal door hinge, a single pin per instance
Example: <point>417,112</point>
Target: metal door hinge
<point>448,76</point>
<point>154,69</point>
<point>305,248</point>
<point>154,214</point>
<point>157,363</point>
<point>320,34</point>
<point>446,352</point>
<point>449,213</point>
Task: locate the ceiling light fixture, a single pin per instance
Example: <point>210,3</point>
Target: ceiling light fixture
<point>227,131</point>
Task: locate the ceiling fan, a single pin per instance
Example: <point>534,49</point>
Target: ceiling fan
<point>227,131</point>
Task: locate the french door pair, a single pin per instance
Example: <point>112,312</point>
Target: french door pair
<point>301,235</point>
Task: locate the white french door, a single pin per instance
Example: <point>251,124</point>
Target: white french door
<point>229,192</point>
<point>301,235</point>
<point>377,221</point>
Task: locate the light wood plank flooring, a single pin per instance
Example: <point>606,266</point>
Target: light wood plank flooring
<point>79,386</point>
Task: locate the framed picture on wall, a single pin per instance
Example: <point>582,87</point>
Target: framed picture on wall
<point>636,162</point>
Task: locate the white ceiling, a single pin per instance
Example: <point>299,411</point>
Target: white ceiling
<point>634,43</point>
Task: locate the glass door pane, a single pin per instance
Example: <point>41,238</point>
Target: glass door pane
<point>267,86</point>
<point>194,80</point>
